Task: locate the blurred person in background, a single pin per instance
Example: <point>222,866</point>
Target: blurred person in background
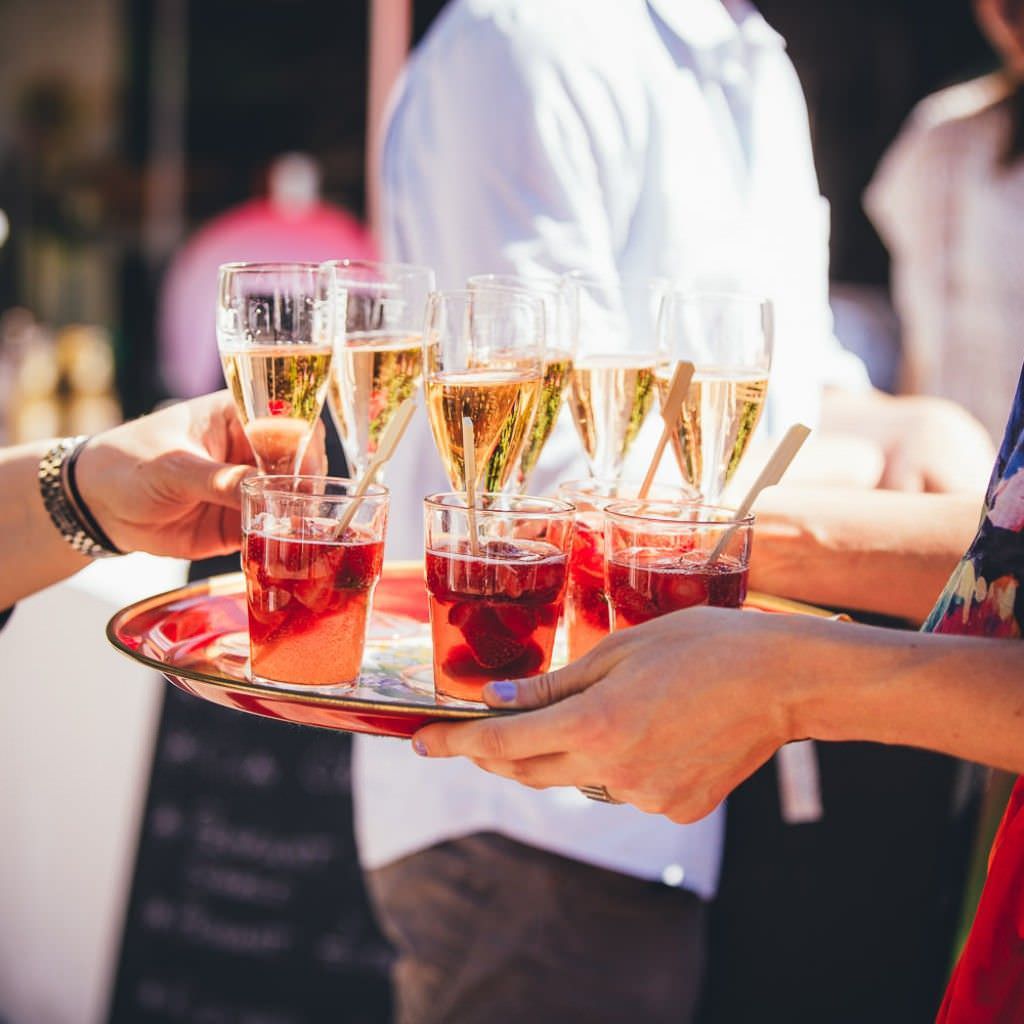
<point>664,138</point>
<point>167,484</point>
<point>948,200</point>
<point>291,223</point>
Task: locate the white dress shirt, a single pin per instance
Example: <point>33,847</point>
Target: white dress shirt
<point>949,212</point>
<point>621,137</point>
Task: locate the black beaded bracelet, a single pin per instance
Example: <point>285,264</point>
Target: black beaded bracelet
<point>63,501</point>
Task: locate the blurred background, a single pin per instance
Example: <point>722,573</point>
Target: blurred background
<point>126,125</point>
<point>131,128</point>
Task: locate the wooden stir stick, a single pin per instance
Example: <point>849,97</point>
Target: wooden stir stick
<point>772,473</point>
<point>388,443</point>
<point>678,389</point>
<point>469,464</point>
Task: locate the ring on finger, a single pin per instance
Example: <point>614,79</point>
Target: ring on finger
<point>598,793</point>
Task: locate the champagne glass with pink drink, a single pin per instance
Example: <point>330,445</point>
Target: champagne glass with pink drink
<point>276,332</point>
<point>312,553</point>
<point>495,582</point>
<point>657,559</point>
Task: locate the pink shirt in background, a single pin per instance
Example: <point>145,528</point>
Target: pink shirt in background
<point>259,231</point>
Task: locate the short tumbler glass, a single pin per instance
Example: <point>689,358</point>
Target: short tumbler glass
<point>495,583</point>
<point>312,553</point>
<point>586,603</point>
<point>657,559</point>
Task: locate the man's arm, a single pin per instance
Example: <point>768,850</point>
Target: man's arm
<point>928,444</point>
<point>874,551</point>
<point>723,690</point>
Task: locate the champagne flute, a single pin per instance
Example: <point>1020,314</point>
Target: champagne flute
<point>728,337</point>
<point>378,363</point>
<point>275,331</point>
<point>614,324</point>
<point>558,362</point>
<point>483,353</point>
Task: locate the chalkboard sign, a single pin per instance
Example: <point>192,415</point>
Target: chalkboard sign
<point>247,904</point>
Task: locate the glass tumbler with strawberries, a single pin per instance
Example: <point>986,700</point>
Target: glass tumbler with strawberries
<point>495,581</point>
<point>658,559</point>
<point>586,604</point>
<point>312,553</point>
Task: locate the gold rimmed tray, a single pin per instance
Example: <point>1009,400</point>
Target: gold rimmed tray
<point>197,637</point>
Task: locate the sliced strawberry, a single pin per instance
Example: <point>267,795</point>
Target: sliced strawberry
<point>495,652</point>
<point>675,590</point>
<point>469,615</point>
<point>460,662</point>
<point>517,619</point>
<point>528,663</point>
<point>591,603</point>
<point>631,605</point>
<point>360,566</point>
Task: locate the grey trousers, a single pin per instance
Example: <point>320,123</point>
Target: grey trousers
<point>490,931</point>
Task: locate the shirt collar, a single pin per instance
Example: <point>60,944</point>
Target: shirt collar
<point>714,24</point>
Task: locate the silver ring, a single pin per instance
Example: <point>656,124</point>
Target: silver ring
<point>598,793</point>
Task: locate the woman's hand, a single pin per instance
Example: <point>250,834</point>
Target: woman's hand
<point>669,716</point>
<point>168,483</point>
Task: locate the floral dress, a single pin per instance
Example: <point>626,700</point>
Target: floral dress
<point>984,597</point>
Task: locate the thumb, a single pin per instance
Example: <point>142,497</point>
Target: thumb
<point>215,483</point>
<point>547,688</point>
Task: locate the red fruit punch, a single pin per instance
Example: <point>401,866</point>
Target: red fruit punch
<point>586,606</point>
<point>308,603</point>
<point>492,616</point>
<point>647,583</point>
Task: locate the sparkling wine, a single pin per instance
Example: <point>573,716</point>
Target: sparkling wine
<point>717,420</point>
<point>372,375</point>
<point>492,615</point>
<point>280,382</point>
<point>500,402</point>
<point>557,370</point>
<point>308,601</point>
<point>611,396</point>
<point>644,583</point>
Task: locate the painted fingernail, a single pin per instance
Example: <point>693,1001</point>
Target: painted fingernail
<point>504,691</point>
<point>420,747</point>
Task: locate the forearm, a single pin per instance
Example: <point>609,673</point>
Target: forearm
<point>876,551</point>
<point>32,553</point>
<point>962,696</point>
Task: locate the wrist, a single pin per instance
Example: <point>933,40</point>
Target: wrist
<point>840,680</point>
<point>89,483</point>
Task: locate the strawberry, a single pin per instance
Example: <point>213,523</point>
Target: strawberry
<point>492,647</point>
<point>591,603</point>
<point>631,605</point>
<point>528,663</point>
<point>359,567</point>
<point>517,619</point>
<point>460,662</point>
<point>466,615</point>
<point>675,590</point>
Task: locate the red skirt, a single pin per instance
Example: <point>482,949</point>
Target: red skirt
<point>987,986</point>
